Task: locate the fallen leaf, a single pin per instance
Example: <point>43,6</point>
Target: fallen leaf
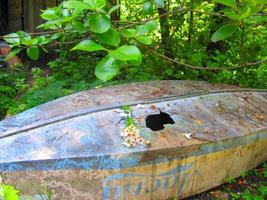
<point>250,126</point>
<point>260,117</point>
<point>152,107</point>
<point>199,122</point>
<point>139,119</point>
<point>240,123</point>
<point>242,182</point>
<point>156,91</point>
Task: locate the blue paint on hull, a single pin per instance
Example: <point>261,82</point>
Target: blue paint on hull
<point>119,182</point>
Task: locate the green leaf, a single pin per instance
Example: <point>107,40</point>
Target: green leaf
<point>99,23</point>
<point>144,40</point>
<point>56,35</point>
<point>128,33</point>
<point>142,30</point>
<point>88,45</point>
<point>95,4</point>
<point>12,54</point>
<point>245,13</point>
<point>65,12</point>
<point>148,8</point>
<point>151,26</point>
<point>230,3</point>
<point>262,1</point>
<point>33,53</point>
<point>111,37</point>
<point>160,3</point>
<point>137,61</point>
<point>259,19</point>
<point>146,28</point>
<point>49,14</point>
<point>125,53</point>
<point>224,31</point>
<point>1,191</point>
<point>79,26</point>
<point>113,9</point>
<point>10,193</point>
<point>76,5</point>
<point>41,40</point>
<point>12,38</point>
<point>107,68</point>
<point>232,15</point>
<point>25,38</point>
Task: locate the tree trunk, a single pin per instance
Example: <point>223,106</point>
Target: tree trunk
<point>115,16</point>
<point>191,23</point>
<point>165,32</point>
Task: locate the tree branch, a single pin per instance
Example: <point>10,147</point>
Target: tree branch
<point>244,65</point>
<point>35,33</point>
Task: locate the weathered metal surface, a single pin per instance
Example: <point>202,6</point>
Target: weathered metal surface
<point>110,96</point>
<point>73,145</point>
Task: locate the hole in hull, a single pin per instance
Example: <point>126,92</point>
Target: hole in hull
<point>157,122</point>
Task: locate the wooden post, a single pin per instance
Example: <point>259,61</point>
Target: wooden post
<point>14,15</point>
<point>32,10</point>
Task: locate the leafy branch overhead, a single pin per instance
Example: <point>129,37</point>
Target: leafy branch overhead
<point>91,21</point>
<point>238,14</point>
<point>117,43</point>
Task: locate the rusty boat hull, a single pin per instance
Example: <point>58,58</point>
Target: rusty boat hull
<point>73,146</point>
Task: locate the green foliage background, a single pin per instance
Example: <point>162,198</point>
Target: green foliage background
<point>208,34</point>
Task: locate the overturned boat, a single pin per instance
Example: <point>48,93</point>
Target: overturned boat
<point>194,134</point>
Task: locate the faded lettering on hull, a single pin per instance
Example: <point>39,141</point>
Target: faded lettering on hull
<point>131,185</point>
